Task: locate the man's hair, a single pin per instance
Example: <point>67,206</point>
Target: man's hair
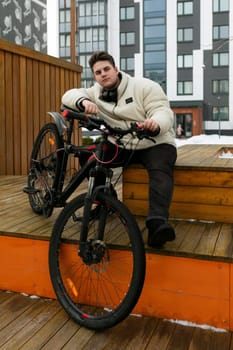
<point>101,56</point>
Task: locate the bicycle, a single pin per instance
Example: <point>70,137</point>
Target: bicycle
<point>96,251</point>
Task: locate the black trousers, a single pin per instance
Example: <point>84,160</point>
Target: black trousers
<point>159,160</point>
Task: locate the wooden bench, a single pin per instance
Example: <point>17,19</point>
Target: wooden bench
<point>203,185</point>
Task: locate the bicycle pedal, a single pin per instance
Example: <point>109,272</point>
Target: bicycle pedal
<point>30,190</point>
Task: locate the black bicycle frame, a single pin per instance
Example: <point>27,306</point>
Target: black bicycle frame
<point>61,195</point>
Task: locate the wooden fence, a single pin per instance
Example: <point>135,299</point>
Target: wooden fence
<point>31,84</point>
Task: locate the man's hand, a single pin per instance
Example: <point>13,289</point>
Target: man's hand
<point>89,107</point>
<point>150,124</point>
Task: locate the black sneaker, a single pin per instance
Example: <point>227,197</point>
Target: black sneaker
<point>159,232</point>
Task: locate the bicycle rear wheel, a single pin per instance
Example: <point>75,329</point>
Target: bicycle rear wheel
<point>100,288</point>
<point>46,158</point>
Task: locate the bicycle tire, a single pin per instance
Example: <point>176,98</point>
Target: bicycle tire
<point>98,295</point>
<point>42,176</point>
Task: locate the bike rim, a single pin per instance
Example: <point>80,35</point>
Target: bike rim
<point>102,288</point>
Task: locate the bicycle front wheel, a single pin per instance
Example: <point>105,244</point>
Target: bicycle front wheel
<point>46,158</point>
<point>98,282</point>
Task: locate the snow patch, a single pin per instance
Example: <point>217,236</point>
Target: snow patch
<point>191,324</point>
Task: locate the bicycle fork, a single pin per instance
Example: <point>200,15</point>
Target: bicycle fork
<point>93,250</point>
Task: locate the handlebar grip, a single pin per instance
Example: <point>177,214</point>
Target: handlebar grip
<point>67,112</point>
<point>147,132</point>
<point>89,121</point>
<point>152,133</point>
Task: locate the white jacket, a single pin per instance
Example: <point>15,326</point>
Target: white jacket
<point>138,99</point>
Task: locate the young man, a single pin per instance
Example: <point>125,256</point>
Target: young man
<point>120,100</point>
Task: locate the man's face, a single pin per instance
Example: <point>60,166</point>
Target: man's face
<point>105,74</point>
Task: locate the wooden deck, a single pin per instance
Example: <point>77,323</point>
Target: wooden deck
<point>190,279</point>
<point>32,323</point>
<point>199,239</point>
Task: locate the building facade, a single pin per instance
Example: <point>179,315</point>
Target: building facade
<point>24,23</point>
<point>184,45</point>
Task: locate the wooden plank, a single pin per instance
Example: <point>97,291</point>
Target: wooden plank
<point>16,116</point>
<point>52,77</point>
<point>9,147</point>
<point>192,177</point>
<point>203,195</point>
<point>63,336</point>
<point>202,156</point>
<point>48,90</point>
<point>138,333</point>
<point>180,338</point>
<point>201,212</point>
<point>43,334</point>
<point>203,339</point>
<point>135,174</point>
<point>138,330</point>
<point>185,194</point>
<point>11,309</point>
<point>36,95</point>
<point>192,238</point>
<point>3,115</point>
<point>57,90</point>
<point>24,120</point>
<point>25,330</point>
<point>186,210</point>
<point>42,107</point>
<point>195,177</point>
<point>224,244</point>
<point>29,98</point>
<point>207,243</point>
<point>161,335</point>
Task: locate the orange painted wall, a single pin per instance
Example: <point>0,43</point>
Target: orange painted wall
<point>175,288</point>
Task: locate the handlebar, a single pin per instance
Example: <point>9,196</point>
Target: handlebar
<point>91,122</point>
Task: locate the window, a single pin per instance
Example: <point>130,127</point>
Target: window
<point>220,87</point>
<point>127,64</point>
<point>154,43</point>
<point>91,39</point>
<point>220,32</point>
<point>64,40</point>
<point>127,38</point>
<point>220,113</point>
<point>155,58</point>
<point>185,34</point>
<point>184,88</point>
<point>64,16</point>
<point>63,3</point>
<point>220,5</point>
<point>154,21</point>
<point>155,47</point>
<point>185,61</point>
<point>152,5</point>
<point>127,13</point>
<point>91,14</point>
<point>185,8</point>
<point>150,31</point>
<point>220,59</point>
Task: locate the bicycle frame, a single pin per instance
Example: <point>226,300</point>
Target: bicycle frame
<point>61,195</point>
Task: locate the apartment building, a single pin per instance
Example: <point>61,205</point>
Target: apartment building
<point>24,23</point>
<point>184,45</point>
